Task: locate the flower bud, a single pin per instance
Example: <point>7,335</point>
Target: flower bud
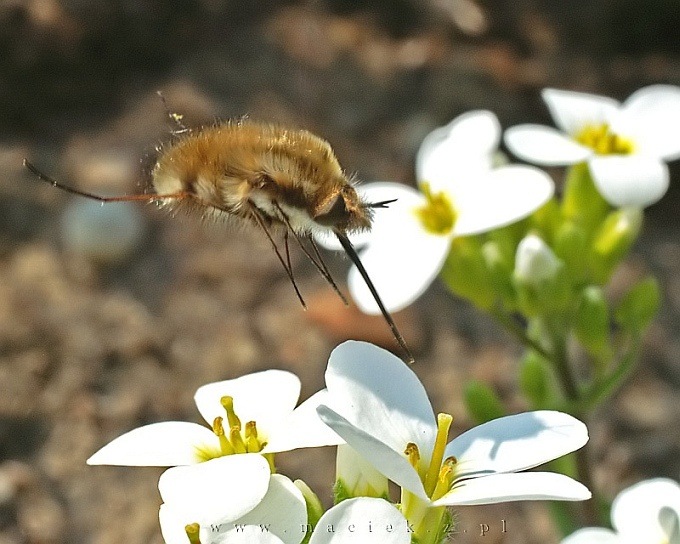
<point>639,306</point>
<point>465,272</point>
<point>613,240</point>
<point>356,477</point>
<point>540,278</point>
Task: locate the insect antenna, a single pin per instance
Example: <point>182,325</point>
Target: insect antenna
<point>320,265</point>
<point>354,257</point>
<point>381,204</point>
<point>289,271</point>
<point>149,197</point>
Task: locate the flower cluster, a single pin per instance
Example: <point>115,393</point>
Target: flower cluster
<point>499,235</point>
<point>224,487</point>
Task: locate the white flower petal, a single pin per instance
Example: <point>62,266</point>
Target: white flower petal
<point>383,456</point>
<point>516,442</point>
<point>165,444</point>
<point>573,111</point>
<point>400,267</point>
<point>264,397</point>
<point>525,486</point>
<point>635,511</point>
<point>379,393</point>
<point>281,513</point>
<point>463,148</point>
<point>357,475</point>
<point>503,196</point>
<point>630,180</point>
<point>544,145</point>
<point>592,535</point>
<point>401,258</point>
<point>651,117</point>
<point>362,520</point>
<point>303,428</point>
<point>218,490</point>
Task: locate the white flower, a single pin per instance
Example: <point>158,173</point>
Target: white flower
<point>363,520</point>
<point>645,513</point>
<point>229,500</point>
<point>378,405</point>
<point>460,194</point>
<point>625,145</point>
<point>252,414</point>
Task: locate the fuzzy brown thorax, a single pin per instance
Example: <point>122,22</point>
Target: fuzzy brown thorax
<point>235,166</point>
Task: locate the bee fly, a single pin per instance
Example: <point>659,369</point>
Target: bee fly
<point>280,179</point>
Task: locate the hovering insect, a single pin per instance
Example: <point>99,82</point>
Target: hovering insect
<point>280,179</point>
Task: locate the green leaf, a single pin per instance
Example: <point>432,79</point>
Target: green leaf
<point>639,306</point>
<point>482,402</point>
<point>534,379</point>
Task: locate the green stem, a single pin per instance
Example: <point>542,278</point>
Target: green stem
<point>510,325</point>
<point>604,389</point>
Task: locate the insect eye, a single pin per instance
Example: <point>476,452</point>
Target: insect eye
<point>336,213</point>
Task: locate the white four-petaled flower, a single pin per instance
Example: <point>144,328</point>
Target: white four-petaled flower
<point>645,513</point>
<point>461,193</point>
<point>230,500</point>
<point>626,145</point>
<point>378,405</point>
<point>266,398</point>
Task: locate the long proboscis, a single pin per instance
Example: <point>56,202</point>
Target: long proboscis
<point>354,257</point>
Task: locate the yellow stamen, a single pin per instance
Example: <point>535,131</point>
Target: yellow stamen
<point>232,418</point>
<point>443,425</point>
<point>437,216</point>
<point>413,454</point>
<point>253,445</point>
<point>237,440</point>
<point>218,429</point>
<point>445,478</point>
<point>193,533</point>
<point>603,141</point>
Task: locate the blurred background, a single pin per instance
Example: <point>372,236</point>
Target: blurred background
<point>111,317</point>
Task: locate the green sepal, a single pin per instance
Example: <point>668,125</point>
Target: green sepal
<point>546,220</point>
<point>482,402</point>
<point>314,507</point>
<point>613,240</point>
<point>466,274</point>
<point>500,264</point>
<point>571,246</point>
<point>581,201</point>
<point>534,379</point>
<point>592,323</point>
<point>639,306</point>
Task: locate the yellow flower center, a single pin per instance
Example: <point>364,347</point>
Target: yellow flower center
<point>603,141</point>
<point>437,476</point>
<point>438,215</point>
<point>236,439</point>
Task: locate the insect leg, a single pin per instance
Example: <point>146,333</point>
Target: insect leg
<point>289,271</point>
<point>320,265</point>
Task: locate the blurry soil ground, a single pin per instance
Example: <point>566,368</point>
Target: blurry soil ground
<point>91,349</point>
